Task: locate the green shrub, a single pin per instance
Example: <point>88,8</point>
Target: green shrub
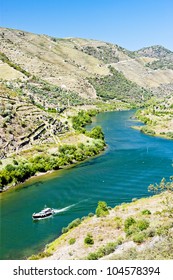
<point>104,53</point>
<point>80,120</point>
<point>104,250</point>
<point>169,134</point>
<point>151,232</point>
<point>40,256</point>
<point>131,225</point>
<point>118,222</point>
<point>72,241</point>
<point>142,224</point>
<point>71,225</point>
<point>102,209</point>
<point>93,256</point>
<point>147,130</point>
<point>133,229</point>
<point>64,230</point>
<point>139,237</point>
<point>89,239</point>
<point>128,222</point>
<point>10,167</point>
<point>90,214</point>
<point>146,212</point>
<point>96,133</point>
<point>74,223</point>
<point>109,248</point>
<point>162,230</point>
<point>34,257</point>
<point>15,162</point>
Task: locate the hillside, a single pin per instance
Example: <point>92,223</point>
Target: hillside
<point>152,67</point>
<point>155,52</point>
<point>142,229</point>
<point>46,81</point>
<point>162,57</point>
<point>67,63</point>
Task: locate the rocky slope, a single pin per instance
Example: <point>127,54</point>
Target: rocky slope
<point>142,229</point>
<point>68,63</point>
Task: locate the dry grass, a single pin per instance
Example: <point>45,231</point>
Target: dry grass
<point>106,229</point>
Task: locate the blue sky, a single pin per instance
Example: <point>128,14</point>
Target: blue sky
<point>132,24</point>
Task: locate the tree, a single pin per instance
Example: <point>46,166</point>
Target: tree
<point>162,186</point>
<point>96,133</point>
<point>167,187</point>
<point>102,209</point>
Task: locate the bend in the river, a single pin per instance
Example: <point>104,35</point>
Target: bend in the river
<point>131,162</point>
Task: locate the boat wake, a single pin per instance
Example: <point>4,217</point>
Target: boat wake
<point>56,211</point>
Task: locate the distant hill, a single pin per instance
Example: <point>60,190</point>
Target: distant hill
<point>155,51</point>
<point>163,56</point>
<point>68,63</point>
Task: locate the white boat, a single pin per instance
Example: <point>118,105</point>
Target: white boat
<point>45,213</point>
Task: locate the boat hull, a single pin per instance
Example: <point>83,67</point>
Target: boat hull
<point>38,217</point>
<point>46,213</point>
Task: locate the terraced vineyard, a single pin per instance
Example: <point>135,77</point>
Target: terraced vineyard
<point>18,112</point>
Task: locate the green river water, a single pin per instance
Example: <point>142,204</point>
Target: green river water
<point>130,163</point>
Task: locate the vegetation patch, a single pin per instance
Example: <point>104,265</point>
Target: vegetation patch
<point>89,239</point>
<point>5,59</point>
<point>117,86</point>
<point>83,118</point>
<point>147,130</point>
<point>160,64</point>
<point>40,256</point>
<point>107,53</point>
<point>132,226</point>
<point>72,241</point>
<point>157,117</point>
<point>146,212</point>
<point>68,154</point>
<point>104,250</point>
<point>102,209</point>
<point>139,237</point>
<point>73,224</point>
<point>162,250</point>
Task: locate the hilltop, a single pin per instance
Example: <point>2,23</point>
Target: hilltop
<point>155,52</point>
<point>68,63</point>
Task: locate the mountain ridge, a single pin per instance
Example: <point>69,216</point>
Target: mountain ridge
<point>68,62</point>
<point>157,51</point>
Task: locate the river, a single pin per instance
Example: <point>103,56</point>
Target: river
<point>130,163</point>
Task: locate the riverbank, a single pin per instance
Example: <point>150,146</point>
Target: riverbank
<point>149,131</point>
<point>157,119</point>
<point>66,156</point>
<point>43,176</point>
<point>91,142</point>
<point>137,226</point>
